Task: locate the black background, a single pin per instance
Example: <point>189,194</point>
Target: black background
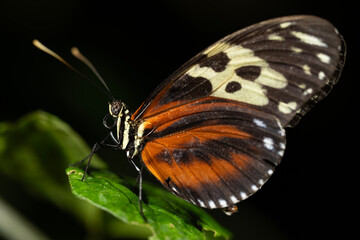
<point>136,45</point>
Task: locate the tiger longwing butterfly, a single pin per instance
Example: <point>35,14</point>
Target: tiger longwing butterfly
<point>213,132</point>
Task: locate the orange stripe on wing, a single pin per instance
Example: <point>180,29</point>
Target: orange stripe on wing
<point>191,137</point>
<point>197,179</point>
<point>158,156</point>
<point>176,109</point>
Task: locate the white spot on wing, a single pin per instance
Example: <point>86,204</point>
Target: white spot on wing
<point>268,143</point>
<point>321,75</point>
<point>259,123</point>
<point>306,69</point>
<point>308,91</point>
<point>323,57</point>
<point>309,39</point>
<point>275,37</point>
<point>282,132</point>
<point>281,153</point>
<point>270,171</point>
<point>285,24</point>
<point>202,204</point>
<point>234,199</point>
<point>243,195</point>
<point>287,107</point>
<point>254,188</point>
<point>296,50</point>
<point>212,204</point>
<point>223,203</point>
<point>302,85</point>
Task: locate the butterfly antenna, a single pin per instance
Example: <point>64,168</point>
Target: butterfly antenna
<point>76,53</point>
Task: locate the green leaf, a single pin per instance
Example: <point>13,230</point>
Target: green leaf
<point>168,217</point>
<point>35,149</point>
<point>33,152</point>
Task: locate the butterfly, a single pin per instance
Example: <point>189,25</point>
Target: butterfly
<point>213,132</point>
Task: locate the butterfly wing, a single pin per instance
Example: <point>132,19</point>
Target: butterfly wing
<point>213,131</point>
<point>289,64</point>
<point>213,152</point>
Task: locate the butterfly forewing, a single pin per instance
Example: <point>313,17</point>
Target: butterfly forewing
<point>277,65</point>
<point>212,133</point>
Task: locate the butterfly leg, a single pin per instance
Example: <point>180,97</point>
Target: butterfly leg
<point>95,148</point>
<point>139,179</point>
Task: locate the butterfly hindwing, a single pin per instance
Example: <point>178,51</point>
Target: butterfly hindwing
<point>213,152</point>
<point>212,133</point>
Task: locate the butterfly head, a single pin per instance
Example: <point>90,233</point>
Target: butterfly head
<point>116,108</point>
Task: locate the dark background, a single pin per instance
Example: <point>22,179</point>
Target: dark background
<point>136,45</point>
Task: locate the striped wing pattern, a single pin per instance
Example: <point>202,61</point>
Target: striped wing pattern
<point>212,133</point>
<point>213,152</point>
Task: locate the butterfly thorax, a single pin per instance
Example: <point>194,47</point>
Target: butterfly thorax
<point>128,132</point>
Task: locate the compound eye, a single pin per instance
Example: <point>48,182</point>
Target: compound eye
<point>116,107</point>
<point>109,121</point>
